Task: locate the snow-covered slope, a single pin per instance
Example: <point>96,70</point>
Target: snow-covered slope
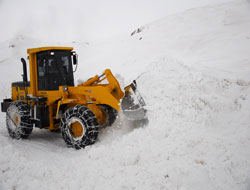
<point>193,71</point>
<point>213,38</point>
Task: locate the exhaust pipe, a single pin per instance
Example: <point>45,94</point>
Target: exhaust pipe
<point>25,78</point>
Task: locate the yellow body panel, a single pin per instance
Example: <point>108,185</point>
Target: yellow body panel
<point>18,93</point>
<point>35,50</point>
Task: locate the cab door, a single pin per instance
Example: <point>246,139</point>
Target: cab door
<point>48,72</point>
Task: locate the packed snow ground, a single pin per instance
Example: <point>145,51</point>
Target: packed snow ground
<point>193,70</point>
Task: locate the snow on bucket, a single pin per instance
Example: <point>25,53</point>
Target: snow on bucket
<point>133,104</point>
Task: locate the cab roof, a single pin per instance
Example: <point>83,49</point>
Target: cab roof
<point>35,50</point>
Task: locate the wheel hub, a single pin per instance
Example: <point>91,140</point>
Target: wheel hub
<point>104,119</point>
<point>76,128</point>
<point>14,120</point>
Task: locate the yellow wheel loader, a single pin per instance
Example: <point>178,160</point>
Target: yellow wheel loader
<point>50,100</point>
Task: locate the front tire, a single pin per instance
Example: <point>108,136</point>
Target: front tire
<point>18,120</point>
<point>110,115</point>
<point>79,127</point>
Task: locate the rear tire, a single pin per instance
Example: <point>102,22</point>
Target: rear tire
<point>18,120</point>
<point>79,127</point>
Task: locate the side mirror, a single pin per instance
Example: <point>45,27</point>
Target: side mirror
<point>73,53</point>
<point>74,59</point>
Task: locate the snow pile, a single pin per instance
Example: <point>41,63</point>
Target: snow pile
<point>193,71</point>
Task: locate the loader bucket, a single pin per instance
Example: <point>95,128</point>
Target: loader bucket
<point>133,104</point>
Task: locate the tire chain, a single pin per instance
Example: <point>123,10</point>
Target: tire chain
<point>88,119</point>
<point>24,128</point>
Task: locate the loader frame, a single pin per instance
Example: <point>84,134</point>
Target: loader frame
<point>48,106</point>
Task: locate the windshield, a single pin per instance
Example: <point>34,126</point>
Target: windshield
<point>54,70</point>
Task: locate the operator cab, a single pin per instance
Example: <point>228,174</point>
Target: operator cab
<point>54,69</point>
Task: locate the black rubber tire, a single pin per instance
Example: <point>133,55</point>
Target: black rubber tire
<point>23,128</point>
<point>88,122</point>
<point>111,113</point>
